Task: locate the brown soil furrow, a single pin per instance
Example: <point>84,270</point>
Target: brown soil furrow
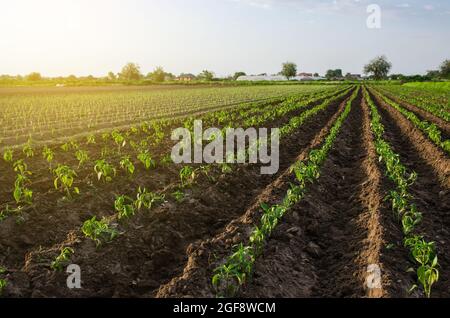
<point>42,181</point>
<point>430,191</point>
<point>62,217</point>
<point>204,256</point>
<point>314,252</point>
<point>371,197</point>
<point>330,214</point>
<point>385,239</point>
<point>333,233</point>
<point>428,152</point>
<point>152,249</point>
<point>443,125</point>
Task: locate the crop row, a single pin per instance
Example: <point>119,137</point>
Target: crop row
<point>106,229</point>
<point>235,112</point>
<point>430,129</point>
<point>53,113</point>
<point>436,104</point>
<point>238,268</point>
<point>405,211</point>
<point>64,175</point>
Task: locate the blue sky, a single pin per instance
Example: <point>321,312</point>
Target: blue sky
<point>81,37</point>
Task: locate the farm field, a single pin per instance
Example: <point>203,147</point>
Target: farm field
<point>48,113</point>
<point>363,184</point>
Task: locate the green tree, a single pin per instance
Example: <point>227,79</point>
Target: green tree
<point>158,75</point>
<point>329,74</point>
<point>111,76</point>
<point>433,74</point>
<point>238,74</point>
<point>169,76</point>
<point>289,70</point>
<point>34,77</point>
<point>378,68</point>
<point>397,77</point>
<point>445,69</point>
<point>131,72</point>
<point>206,76</point>
<point>337,73</point>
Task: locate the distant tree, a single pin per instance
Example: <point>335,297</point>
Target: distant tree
<point>71,78</point>
<point>34,77</point>
<point>332,74</point>
<point>433,74</point>
<point>397,77</point>
<point>131,72</point>
<point>379,67</point>
<point>445,69</point>
<point>238,74</point>
<point>316,75</point>
<point>420,78</point>
<point>158,75</point>
<point>289,70</point>
<point>329,74</point>
<point>410,78</point>
<point>169,76</point>
<point>111,76</point>
<point>206,75</point>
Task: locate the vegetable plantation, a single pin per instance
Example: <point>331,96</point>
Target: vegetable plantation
<point>360,206</point>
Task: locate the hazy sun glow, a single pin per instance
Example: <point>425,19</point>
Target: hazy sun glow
<point>81,37</point>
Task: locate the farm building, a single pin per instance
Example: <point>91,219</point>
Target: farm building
<point>262,78</point>
<point>278,78</point>
<point>353,77</point>
<point>186,77</point>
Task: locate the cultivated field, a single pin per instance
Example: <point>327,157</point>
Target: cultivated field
<point>46,114</point>
<point>86,178</point>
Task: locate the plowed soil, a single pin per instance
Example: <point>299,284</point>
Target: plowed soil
<point>153,246</point>
<point>324,247</point>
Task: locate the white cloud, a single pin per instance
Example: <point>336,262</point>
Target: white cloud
<point>307,5</point>
<point>397,8</point>
<point>265,4</point>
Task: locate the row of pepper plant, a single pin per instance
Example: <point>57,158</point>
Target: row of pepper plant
<point>405,211</point>
<point>238,268</point>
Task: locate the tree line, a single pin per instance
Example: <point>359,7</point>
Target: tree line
<point>379,68</point>
<point>376,69</point>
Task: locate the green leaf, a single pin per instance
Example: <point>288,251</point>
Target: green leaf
<point>17,194</point>
<point>435,262</point>
<point>265,207</point>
